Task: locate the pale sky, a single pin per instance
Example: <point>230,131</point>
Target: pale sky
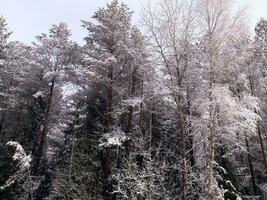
<point>28,18</point>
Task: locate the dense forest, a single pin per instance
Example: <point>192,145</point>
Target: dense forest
<point>174,109</point>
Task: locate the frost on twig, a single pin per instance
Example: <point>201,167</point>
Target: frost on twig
<point>24,163</point>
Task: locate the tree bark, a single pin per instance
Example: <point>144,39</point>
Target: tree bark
<point>107,152</point>
<point>191,143</point>
<point>130,110</point>
<point>141,107</point>
<point>254,191</point>
<point>212,116</point>
<point>183,150</point>
<point>73,143</point>
<point>262,146</point>
<point>44,130</point>
<point>2,121</point>
<point>251,82</point>
<point>181,125</point>
<point>110,100</point>
<point>211,151</point>
<point>130,118</point>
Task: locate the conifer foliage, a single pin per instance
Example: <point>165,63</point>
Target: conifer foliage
<point>176,111</point>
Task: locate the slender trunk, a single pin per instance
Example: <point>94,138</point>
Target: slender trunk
<point>129,130</point>
<point>35,142</point>
<point>251,169</point>
<point>212,116</point>
<point>239,150</point>
<point>107,153</point>
<point>184,167</point>
<point>2,121</point>
<point>211,152</point>
<point>183,153</point>
<point>44,130</point>
<point>109,110</point>
<point>150,153</point>
<point>262,146</point>
<point>181,125</point>
<point>110,101</point>
<point>130,111</point>
<point>141,107</point>
<point>191,143</point>
<point>130,117</point>
<point>106,172</point>
<point>73,144</point>
<point>72,154</point>
<point>251,81</point>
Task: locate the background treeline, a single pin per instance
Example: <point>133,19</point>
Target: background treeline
<point>176,112</point>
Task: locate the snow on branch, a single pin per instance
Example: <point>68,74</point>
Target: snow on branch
<point>114,138</point>
<point>135,101</point>
<point>20,156</point>
<point>38,94</point>
<point>24,164</point>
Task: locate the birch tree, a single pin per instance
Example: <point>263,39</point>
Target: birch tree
<point>170,26</point>
<point>219,26</point>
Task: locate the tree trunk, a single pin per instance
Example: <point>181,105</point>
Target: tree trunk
<point>2,121</point>
<point>211,152</point>
<point>106,163</point>
<point>130,118</point>
<point>130,111</point>
<point>181,124</point>
<point>106,170</point>
<point>251,82</point>
<point>141,107</point>
<point>212,117</point>
<point>191,143</point>
<point>254,191</point>
<point>73,143</point>
<point>184,162</point>
<point>44,130</point>
<point>262,146</point>
<point>110,101</point>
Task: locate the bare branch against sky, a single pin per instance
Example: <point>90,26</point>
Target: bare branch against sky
<point>29,18</point>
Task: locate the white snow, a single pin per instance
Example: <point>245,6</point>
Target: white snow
<point>114,138</point>
<point>24,160</point>
<point>38,94</point>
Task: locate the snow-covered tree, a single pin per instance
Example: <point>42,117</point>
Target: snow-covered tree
<point>217,102</point>
<point>114,52</point>
<point>54,55</point>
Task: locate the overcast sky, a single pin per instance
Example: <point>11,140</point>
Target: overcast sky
<point>28,18</point>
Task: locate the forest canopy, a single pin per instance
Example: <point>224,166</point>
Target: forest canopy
<point>172,109</point>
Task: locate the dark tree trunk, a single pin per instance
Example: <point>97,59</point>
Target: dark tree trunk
<point>181,125</point>
<point>184,166</point>
<point>262,147</point>
<point>2,121</point>
<point>130,111</point>
<point>141,107</point>
<point>252,86</point>
<point>107,153</point>
<point>254,191</point>
<point>110,101</point>
<point>43,132</point>
<point>191,142</point>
